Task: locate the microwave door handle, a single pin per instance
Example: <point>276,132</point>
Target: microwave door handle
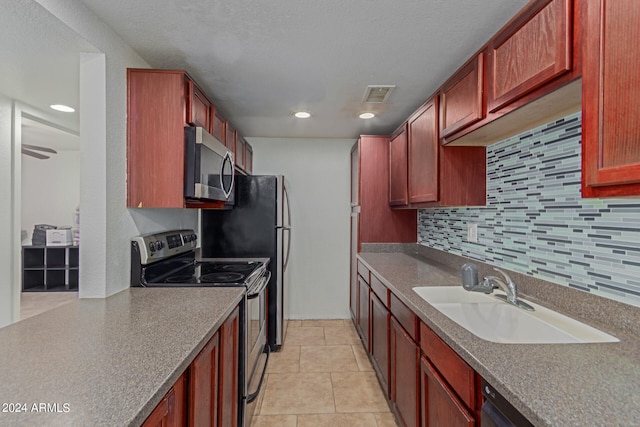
<point>229,159</point>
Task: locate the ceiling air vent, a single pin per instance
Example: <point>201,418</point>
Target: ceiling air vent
<point>377,94</point>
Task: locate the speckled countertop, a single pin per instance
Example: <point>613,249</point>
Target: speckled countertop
<point>551,384</point>
<point>110,360</point>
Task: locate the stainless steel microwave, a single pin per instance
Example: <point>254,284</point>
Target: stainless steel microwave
<point>209,167</point>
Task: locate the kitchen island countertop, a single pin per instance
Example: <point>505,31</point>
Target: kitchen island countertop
<point>106,361</point>
<point>551,384</point>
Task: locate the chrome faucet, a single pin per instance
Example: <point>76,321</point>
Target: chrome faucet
<point>489,283</point>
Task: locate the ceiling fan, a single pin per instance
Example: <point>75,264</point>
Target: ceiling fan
<point>32,150</point>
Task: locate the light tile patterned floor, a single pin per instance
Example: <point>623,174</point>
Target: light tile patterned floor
<point>321,377</point>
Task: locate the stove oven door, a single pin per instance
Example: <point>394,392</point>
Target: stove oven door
<point>257,350</point>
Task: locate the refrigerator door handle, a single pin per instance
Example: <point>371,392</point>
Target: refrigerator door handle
<point>286,260</point>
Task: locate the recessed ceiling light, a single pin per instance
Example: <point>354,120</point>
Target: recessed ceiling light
<point>302,115</point>
<point>367,115</point>
<point>63,108</point>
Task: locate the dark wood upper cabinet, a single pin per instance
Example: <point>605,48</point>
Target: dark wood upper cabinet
<point>398,191</point>
<point>532,50</point>
<point>198,107</point>
<point>230,137</point>
<point>610,94</point>
<point>218,124</point>
<point>423,150</point>
<point>240,151</point>
<point>248,158</point>
<point>461,102</point>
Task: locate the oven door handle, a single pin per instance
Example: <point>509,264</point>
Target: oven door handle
<point>255,394</point>
<point>255,292</point>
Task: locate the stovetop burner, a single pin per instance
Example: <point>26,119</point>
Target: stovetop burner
<point>222,277</point>
<point>181,279</point>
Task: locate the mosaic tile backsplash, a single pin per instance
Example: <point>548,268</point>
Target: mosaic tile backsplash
<point>536,222</point>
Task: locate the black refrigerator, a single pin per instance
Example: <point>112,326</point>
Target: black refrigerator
<point>258,226</point>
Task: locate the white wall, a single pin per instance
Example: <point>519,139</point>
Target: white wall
<point>318,174</point>
<point>50,190</point>
<point>104,242</point>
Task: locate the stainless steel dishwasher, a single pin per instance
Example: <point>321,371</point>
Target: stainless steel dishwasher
<point>498,412</point>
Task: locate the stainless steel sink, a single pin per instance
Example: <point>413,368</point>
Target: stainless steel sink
<point>493,320</point>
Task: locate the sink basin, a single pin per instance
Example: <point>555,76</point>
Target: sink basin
<point>494,320</point>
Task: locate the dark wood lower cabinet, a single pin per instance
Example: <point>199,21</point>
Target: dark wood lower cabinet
<point>228,371</point>
<point>170,412</point>
<point>405,381</point>
<point>440,406</point>
<point>363,311</point>
<point>379,340</point>
<point>203,385</point>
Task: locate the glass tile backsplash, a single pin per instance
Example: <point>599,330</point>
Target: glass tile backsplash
<point>536,222</point>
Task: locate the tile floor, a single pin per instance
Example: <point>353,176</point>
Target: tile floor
<point>32,303</point>
<point>321,377</point>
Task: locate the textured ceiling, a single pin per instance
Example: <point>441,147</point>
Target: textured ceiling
<point>262,60</point>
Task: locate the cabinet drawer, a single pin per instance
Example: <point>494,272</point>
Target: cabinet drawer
<point>405,317</point>
<point>460,376</point>
<point>364,272</point>
<point>380,290</point>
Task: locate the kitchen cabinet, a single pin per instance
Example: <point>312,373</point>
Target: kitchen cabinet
<point>203,385</point>
<point>240,152</point>
<point>379,338</point>
<point>50,268</point>
<point>461,102</point>
<point>218,123</point>
<point>404,375</point>
<point>248,158</point>
<point>532,50</point>
<point>228,394</point>
<point>230,137</point>
<point>362,304</point>
<point>610,93</point>
<point>160,103</point>
<point>398,174</point>
<point>423,147</point>
<point>170,412</point>
<point>440,407</point>
<point>437,175</point>
<point>525,76</point>
<point>450,388</point>
<point>370,205</point>
<point>198,107</point>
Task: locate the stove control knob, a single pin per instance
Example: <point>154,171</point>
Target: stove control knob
<point>159,245</point>
<point>152,246</point>
<point>194,237</point>
<point>187,238</point>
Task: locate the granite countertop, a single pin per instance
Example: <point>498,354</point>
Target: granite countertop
<point>106,362</point>
<point>551,384</point>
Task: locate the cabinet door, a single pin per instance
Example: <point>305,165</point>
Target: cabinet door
<point>610,94</point>
<point>230,137</point>
<point>240,151</point>
<point>203,385</point>
<point>398,192</point>
<point>170,412</point>
<point>404,376</point>
<point>363,311</point>
<point>228,371</point>
<point>423,154</point>
<point>461,98</point>
<point>380,322</point>
<point>198,107</point>
<point>248,158</point>
<point>218,123</point>
<point>440,406</point>
<point>533,50</point>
